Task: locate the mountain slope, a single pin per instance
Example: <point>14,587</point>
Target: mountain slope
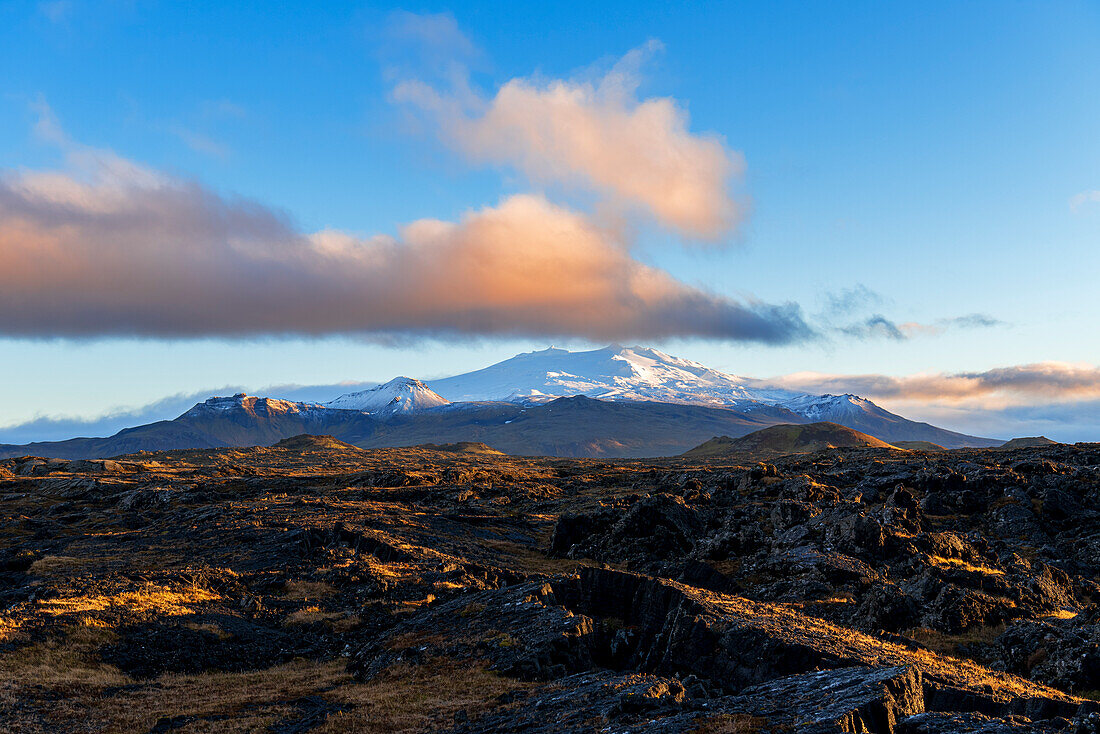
<point>918,446</point>
<point>576,426</point>
<point>399,395</point>
<point>240,420</point>
<point>788,439</point>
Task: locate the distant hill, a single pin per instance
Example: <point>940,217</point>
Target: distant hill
<point>462,447</point>
<point>1027,442</point>
<point>918,446</point>
<point>310,442</point>
<point>865,416</point>
<point>788,439</point>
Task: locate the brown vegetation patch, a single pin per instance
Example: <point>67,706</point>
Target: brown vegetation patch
<point>416,698</point>
<point>948,644</point>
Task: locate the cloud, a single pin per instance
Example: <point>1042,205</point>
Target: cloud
<point>56,11</point>
<point>880,327</point>
<point>215,109</point>
<point>59,428</point>
<point>112,248</point>
<point>876,326</point>
<point>849,300</point>
<point>597,135</point>
<point>430,34</point>
<point>1055,399</point>
<point>1085,197</point>
<point>1029,384</point>
<point>972,321</point>
<point>1067,422</point>
<point>199,143</point>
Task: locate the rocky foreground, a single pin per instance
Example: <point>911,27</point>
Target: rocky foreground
<point>316,587</point>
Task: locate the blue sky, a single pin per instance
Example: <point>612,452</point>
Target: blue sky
<point>935,161</point>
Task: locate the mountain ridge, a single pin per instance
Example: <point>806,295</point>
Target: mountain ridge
<point>573,426</point>
<point>627,401</point>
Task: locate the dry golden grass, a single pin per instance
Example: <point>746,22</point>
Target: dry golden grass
<point>242,702</point>
<point>961,565</point>
<point>798,629</point>
<point>528,558</point>
<point>946,644</point>
<point>152,599</point>
<point>63,662</point>
<point>1060,614</point>
<point>68,665</point>
<point>810,605</point>
<point>307,590</point>
<point>500,639</point>
<point>58,565</point>
<point>209,628</point>
<point>403,698</point>
<point>10,629</point>
<point>417,698</point>
<point>734,724</point>
<point>729,566</point>
<point>415,639</point>
<point>345,624</point>
<point>444,586</point>
<point>309,615</point>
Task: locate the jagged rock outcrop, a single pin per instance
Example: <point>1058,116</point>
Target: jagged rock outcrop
<point>840,591</point>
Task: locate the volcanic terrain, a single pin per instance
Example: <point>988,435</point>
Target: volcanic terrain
<point>314,586</point>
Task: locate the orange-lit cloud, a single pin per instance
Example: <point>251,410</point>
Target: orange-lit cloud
<point>1042,382</point>
<point>112,248</point>
<point>598,135</point>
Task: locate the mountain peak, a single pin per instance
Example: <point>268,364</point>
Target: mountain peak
<point>614,372</point>
<point>399,395</point>
<point>248,403</point>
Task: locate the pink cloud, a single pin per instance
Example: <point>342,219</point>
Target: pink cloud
<point>113,248</point>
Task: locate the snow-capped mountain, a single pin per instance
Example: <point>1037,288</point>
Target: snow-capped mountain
<point>399,395</point>
<point>611,373</point>
<point>829,407</point>
<point>620,373</point>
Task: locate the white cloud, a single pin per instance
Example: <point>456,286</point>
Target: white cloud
<point>598,135</point>
<point>56,11</point>
<point>1085,197</point>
